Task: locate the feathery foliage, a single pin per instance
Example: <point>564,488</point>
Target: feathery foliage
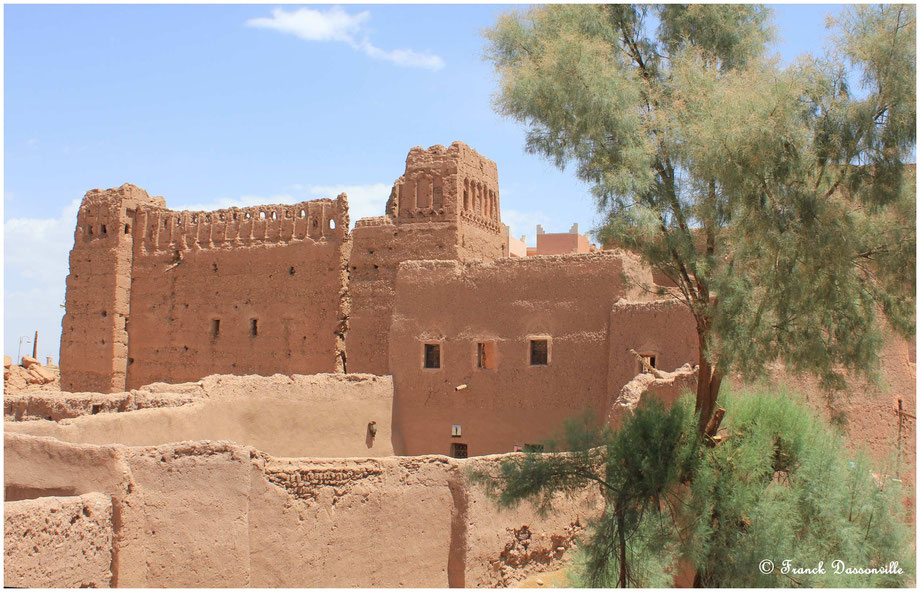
<point>780,487</point>
<point>774,198</point>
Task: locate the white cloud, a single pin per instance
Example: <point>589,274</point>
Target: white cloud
<point>38,248</point>
<point>364,201</point>
<point>36,264</point>
<point>524,223</point>
<point>337,25</point>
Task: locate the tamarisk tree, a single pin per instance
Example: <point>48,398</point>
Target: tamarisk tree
<point>774,198</point>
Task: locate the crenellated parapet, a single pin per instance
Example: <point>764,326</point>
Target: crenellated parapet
<point>316,220</point>
<point>454,184</point>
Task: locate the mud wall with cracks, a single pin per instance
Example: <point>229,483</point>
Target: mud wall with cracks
<point>218,514</point>
<point>323,415</point>
<point>59,542</point>
<point>504,305</point>
<point>251,291</point>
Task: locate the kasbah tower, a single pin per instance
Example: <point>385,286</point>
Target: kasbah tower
<point>506,347</point>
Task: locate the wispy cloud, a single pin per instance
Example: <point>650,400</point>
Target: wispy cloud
<point>335,24</point>
<point>521,223</point>
<point>35,267</point>
<point>37,250</point>
<point>364,201</point>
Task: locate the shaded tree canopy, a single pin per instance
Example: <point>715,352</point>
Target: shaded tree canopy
<point>781,486</point>
<point>775,198</point>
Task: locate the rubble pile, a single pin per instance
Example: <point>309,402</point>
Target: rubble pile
<point>30,375</point>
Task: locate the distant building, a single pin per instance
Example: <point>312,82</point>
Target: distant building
<point>488,348</point>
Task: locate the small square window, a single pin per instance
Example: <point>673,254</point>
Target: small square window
<point>458,450</point>
<point>432,355</point>
<point>215,327</point>
<point>254,327</point>
<point>539,352</point>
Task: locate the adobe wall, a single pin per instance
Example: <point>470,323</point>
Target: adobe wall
<point>561,243</point>
<point>379,247</point>
<point>663,387</point>
<point>566,299</point>
<point>663,328</point>
<point>444,207</point>
<point>280,267</point>
<point>94,338</point>
<point>869,411</point>
<point>324,415</point>
<point>58,542</point>
<point>273,522</point>
<point>58,405</point>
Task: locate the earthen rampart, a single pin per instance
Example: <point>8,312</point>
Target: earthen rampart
<point>444,207</point>
<point>162,295</point>
<point>58,542</point>
<point>389,522</point>
<point>524,338</point>
<point>323,415</point>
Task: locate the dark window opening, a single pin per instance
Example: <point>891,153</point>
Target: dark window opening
<point>650,360</point>
<point>130,361</point>
<point>215,327</point>
<point>458,450</point>
<point>127,228</point>
<point>214,267</point>
<point>432,355</point>
<point>96,409</point>
<point>254,327</point>
<point>291,271</point>
<point>533,447</point>
<point>103,229</point>
<point>485,355</point>
<point>539,352</point>
<point>105,314</point>
<point>90,229</point>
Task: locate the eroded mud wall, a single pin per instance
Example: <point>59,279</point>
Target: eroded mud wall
<point>58,542</point>
<point>220,515</point>
<point>324,415</point>
<point>505,304</point>
<point>242,291</point>
<point>445,206</point>
<point>663,328</point>
<point>94,338</point>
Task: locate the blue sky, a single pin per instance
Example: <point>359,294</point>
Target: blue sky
<point>212,106</point>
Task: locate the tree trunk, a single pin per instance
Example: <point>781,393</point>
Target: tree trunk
<point>622,536</point>
<point>709,380</point>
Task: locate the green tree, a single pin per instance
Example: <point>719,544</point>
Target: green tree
<point>774,198</point>
<point>636,469</point>
<point>781,487</point>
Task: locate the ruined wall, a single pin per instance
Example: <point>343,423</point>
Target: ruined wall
<point>503,304</point>
<point>664,387</point>
<point>867,412</point>
<point>241,291</point>
<point>379,247</point>
<point>272,522</point>
<point>663,328</point>
<point>155,294</point>
<point>325,415</point>
<point>444,207</point>
<point>58,542</point>
<point>94,339</point>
